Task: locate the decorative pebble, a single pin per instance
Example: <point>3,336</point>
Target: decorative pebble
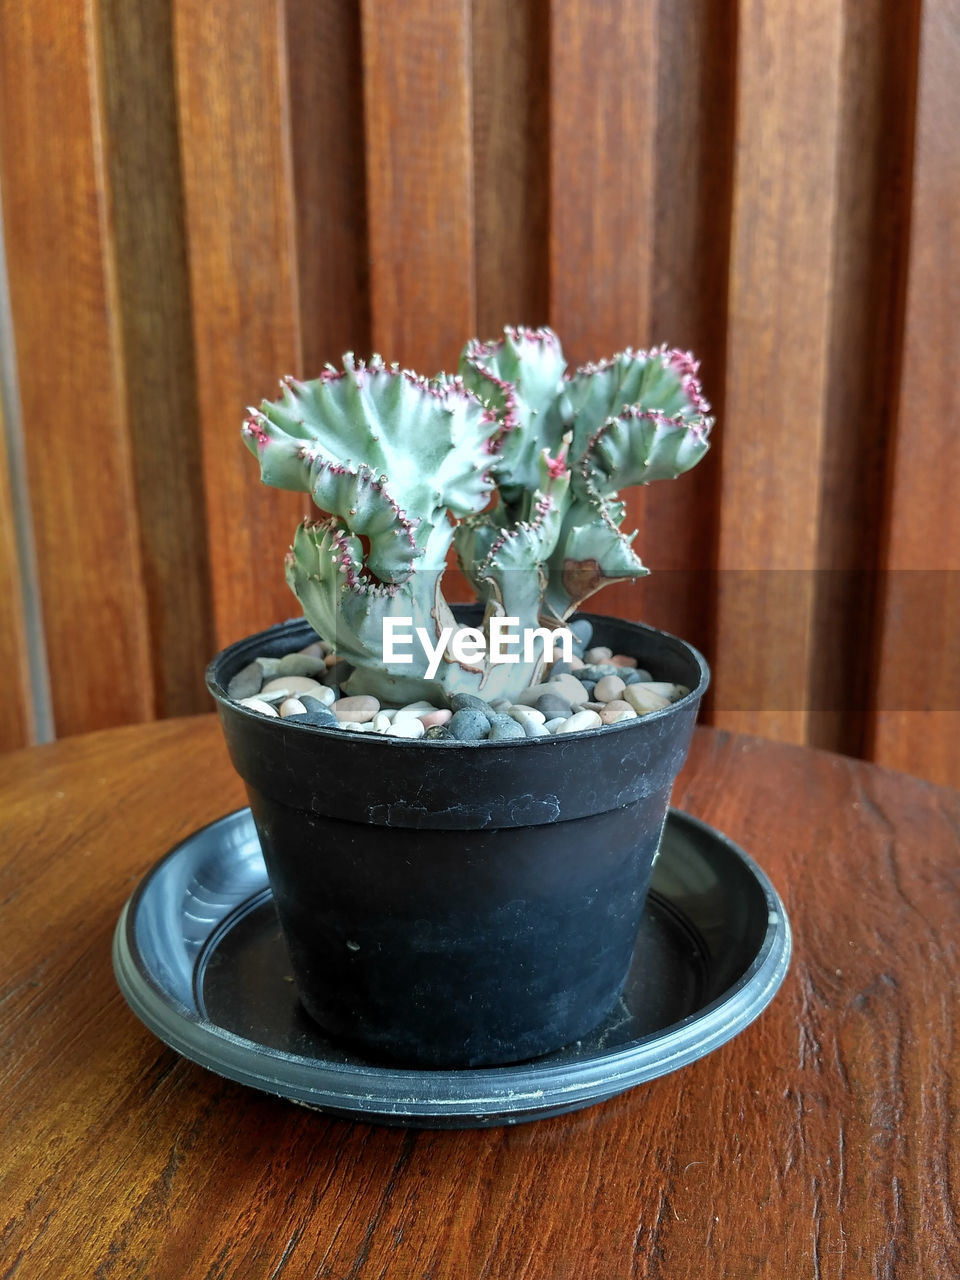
<point>439,733</point>
<point>359,709</point>
<point>467,702</point>
<point>381,722</point>
<point>533,729</point>
<point>409,727</point>
<point>501,705</point>
<point>356,726</point>
<point>291,685</point>
<point>292,707</point>
<point>258,704</point>
<point>599,653</point>
<point>568,687</point>
<point>582,720</point>
<point>435,718</point>
<point>561,669</point>
<point>413,710</point>
<point>643,699</point>
<point>672,692</point>
<point>506,729</point>
<point>324,695</point>
<point>527,715</point>
<point>246,683</point>
<point>469,725</point>
<point>576,664</point>
<point>609,688</point>
<point>318,713</point>
<point>614,712</point>
<point>301,664</point>
<point>268,667</point>
<point>552,726</point>
<point>623,660</point>
<point>551,705</point>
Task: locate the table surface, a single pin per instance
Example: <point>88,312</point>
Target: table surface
<point>821,1142</point>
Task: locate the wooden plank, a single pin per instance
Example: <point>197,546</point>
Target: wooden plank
<point>875,141</point>
<point>917,702</point>
<point>784,205</point>
<point>63,299</point>
<point>511,111</point>
<point>326,128</point>
<point>230,59</point>
<point>692,189</point>
<point>416,68</point>
<point>17,722</point>
<point>154,316</point>
<point>603,104</point>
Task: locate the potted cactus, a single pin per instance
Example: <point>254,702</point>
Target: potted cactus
<point>455,898</point>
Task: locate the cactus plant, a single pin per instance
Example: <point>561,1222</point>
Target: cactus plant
<point>516,461</point>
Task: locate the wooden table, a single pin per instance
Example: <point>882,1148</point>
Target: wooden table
<point>822,1142</point>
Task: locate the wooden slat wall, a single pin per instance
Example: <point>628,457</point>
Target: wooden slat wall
<point>201,197</point>
<point>16,724</point>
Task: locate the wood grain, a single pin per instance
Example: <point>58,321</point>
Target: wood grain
<point>153,312</point>
<point>17,723</point>
<point>917,698</point>
<point>511,115</point>
<point>818,1142</point>
<point>232,96</point>
<point>416,76</point>
<point>781,284</point>
<point>63,292</point>
<point>328,174</point>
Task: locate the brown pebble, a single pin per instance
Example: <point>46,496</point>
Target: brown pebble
<point>319,650</point>
<point>331,660</point>
<point>356,710</point>
<point>622,660</point>
<point>615,711</point>
<point>294,685</point>
<point>608,689</point>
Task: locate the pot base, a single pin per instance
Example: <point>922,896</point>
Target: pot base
<point>200,959</point>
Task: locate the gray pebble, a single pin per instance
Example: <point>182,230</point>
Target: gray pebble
<point>469,725</point>
<point>533,729</point>
<point>505,729</point>
<point>551,705</point>
<point>468,702</point>
<point>301,664</point>
<point>268,667</point>
<point>561,669</point>
<point>246,683</point>
<point>317,712</point>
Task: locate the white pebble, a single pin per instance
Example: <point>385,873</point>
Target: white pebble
<point>599,653</point>
<point>258,704</point>
<point>355,726</point>
<point>582,720</point>
<point>552,726</point>
<point>413,710</point>
<point>292,707</point>
<point>381,722</point>
<point>292,685</point>
<point>672,692</point>
<point>609,688</point>
<point>643,699</point>
<point>408,727</point>
<point>527,715</point>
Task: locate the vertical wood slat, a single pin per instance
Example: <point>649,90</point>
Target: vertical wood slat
<point>16,728</point>
<point>511,113</point>
<point>326,125</point>
<point>237,168</point>
<point>603,109</point>
<point>696,42</point>
<point>153,311</point>
<point>917,702</point>
<point>784,204</point>
<point>416,72</point>
<point>57,220</point>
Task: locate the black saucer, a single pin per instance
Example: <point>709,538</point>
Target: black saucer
<point>199,956</point>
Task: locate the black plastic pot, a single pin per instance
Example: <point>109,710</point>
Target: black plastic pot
<point>450,904</point>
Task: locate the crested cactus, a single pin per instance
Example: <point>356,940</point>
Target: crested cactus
<point>402,466</point>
